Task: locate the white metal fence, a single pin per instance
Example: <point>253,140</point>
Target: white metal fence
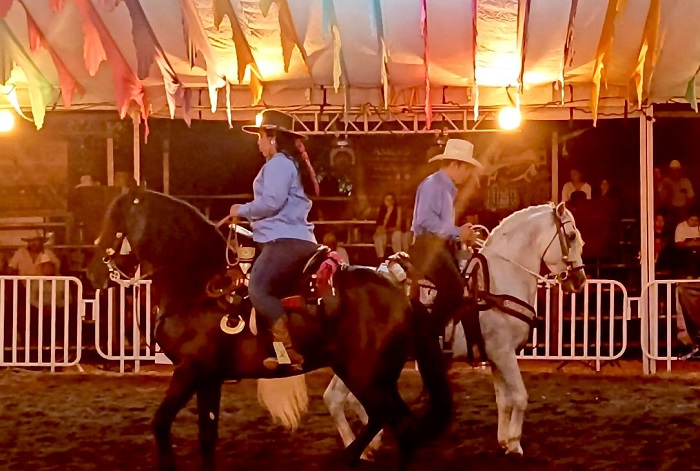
<point>662,321</point>
<point>41,321</point>
<point>46,322</point>
<point>588,326</point>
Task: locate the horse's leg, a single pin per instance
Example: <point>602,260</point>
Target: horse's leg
<point>518,399</point>
<point>335,396</point>
<point>208,401</point>
<point>182,387</point>
<point>505,407</point>
<point>385,405</point>
<point>376,442</point>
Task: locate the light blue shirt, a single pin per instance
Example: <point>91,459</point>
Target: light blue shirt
<point>280,207</point>
<point>434,213</point>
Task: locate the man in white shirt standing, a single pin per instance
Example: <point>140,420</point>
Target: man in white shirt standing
<point>687,240</point>
<point>681,194</point>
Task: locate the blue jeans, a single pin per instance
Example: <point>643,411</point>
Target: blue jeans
<point>276,271</point>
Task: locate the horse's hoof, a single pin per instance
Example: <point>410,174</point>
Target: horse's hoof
<point>516,452</point>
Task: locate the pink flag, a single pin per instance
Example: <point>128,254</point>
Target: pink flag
<point>68,83</point>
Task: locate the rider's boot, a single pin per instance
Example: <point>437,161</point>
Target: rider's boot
<point>281,335</point>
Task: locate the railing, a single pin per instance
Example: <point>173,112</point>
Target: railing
<point>127,321</point>
<point>597,324</point>
<point>658,305</point>
<point>41,321</point>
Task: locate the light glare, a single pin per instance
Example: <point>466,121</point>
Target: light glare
<point>509,118</point>
<point>7,120</point>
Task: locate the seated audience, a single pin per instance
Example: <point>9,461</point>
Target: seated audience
<point>389,225</point>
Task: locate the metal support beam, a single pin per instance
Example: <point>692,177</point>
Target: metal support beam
<point>136,118</point>
<point>646,188</point>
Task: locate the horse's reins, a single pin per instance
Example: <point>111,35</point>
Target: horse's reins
<point>544,279</point>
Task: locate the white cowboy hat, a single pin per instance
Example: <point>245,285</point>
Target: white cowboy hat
<point>459,150</point>
<point>36,235</point>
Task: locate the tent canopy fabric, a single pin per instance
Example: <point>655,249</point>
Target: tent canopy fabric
<point>222,58</point>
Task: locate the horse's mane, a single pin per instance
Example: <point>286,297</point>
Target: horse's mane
<point>173,229</point>
<point>521,213</point>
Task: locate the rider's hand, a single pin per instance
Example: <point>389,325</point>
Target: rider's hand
<point>233,212</point>
<point>467,234</point>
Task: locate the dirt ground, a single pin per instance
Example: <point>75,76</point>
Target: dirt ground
<point>577,420</point>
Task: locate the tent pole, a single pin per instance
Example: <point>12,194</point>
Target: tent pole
<point>648,306</point>
<point>136,118</point>
<point>555,167</point>
<point>110,161</point>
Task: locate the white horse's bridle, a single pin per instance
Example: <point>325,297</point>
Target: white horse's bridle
<point>565,248</point>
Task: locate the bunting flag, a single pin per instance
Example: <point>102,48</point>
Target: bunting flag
<point>197,43</point>
<point>377,24</point>
<point>244,56</point>
<point>647,52</point>
<point>615,8</point>
<point>288,32</point>
<point>148,50</point>
<point>18,69</point>
<point>690,94</point>
<point>67,82</point>
<point>5,7</point>
<point>568,53</point>
<point>330,26</point>
<point>57,5</point>
<point>424,34</point>
<point>127,86</point>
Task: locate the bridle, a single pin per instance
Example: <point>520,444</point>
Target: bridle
<point>565,240</point>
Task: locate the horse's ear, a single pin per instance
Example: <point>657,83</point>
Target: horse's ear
<point>561,209</point>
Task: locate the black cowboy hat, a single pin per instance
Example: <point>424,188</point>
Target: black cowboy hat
<point>277,120</point>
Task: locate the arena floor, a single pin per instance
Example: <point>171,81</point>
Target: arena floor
<point>577,420</point>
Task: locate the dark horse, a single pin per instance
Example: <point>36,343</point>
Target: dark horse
<point>366,341</point>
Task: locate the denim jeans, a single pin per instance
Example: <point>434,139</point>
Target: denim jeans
<point>274,272</point>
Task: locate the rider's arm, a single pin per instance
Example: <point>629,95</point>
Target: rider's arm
<point>277,176</point>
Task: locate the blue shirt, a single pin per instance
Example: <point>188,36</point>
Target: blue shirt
<point>434,213</point>
<point>280,207</point>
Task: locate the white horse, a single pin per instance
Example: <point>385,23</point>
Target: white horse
<point>514,253</point>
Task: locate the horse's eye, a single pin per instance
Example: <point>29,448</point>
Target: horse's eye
<point>571,236</point>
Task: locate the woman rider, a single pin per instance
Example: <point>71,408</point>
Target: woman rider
<point>278,214</point>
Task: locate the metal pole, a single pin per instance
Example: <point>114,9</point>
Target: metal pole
<point>166,165</point>
<point>110,161</point>
<point>648,306</point>
<point>136,118</point>
<point>555,167</point>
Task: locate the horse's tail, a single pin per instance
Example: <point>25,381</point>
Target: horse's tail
<point>433,371</point>
<point>286,399</point>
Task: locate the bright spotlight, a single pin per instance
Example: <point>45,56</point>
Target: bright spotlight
<point>258,119</point>
<point>7,120</point>
<point>509,118</point>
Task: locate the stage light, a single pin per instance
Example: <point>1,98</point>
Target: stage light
<point>509,118</point>
<point>7,120</point>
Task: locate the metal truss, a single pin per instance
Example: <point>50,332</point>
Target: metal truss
<point>370,120</point>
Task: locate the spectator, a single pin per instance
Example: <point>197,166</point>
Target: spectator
<point>331,241</point>
<point>663,247</point>
<point>47,268</point>
<point>687,238</point>
<point>577,183</point>
<point>25,261</point>
<point>389,225</point>
<point>680,191</point>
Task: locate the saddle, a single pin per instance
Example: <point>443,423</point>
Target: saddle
<point>315,288</point>
<point>477,297</point>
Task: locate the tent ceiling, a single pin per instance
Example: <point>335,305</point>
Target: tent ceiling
<point>217,58</point>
